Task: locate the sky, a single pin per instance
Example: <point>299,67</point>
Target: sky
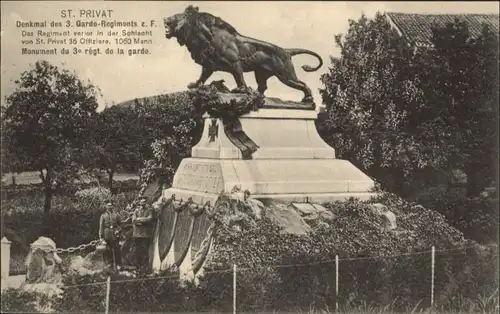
<point>168,67</point>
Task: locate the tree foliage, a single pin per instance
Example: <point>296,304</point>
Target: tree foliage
<point>47,122</point>
<point>171,128</point>
<point>116,135</point>
<point>459,78</point>
<point>9,162</point>
<point>402,114</point>
<point>370,94</point>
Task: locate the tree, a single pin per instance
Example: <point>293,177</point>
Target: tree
<point>9,164</point>
<point>407,116</point>
<point>371,96</point>
<point>116,133</point>
<point>173,128</point>
<point>460,79</point>
<point>47,118</point>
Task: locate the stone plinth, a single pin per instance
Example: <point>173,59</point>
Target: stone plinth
<point>280,134</point>
<point>5,258</point>
<point>291,163</point>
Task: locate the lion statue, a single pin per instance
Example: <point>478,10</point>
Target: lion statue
<point>217,46</point>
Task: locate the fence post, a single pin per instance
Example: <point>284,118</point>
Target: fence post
<point>108,290</point>
<point>234,288</point>
<point>336,283</point>
<point>5,259</point>
<point>432,275</point>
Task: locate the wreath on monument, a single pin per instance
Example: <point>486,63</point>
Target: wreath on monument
<point>207,99</point>
<point>210,99</point>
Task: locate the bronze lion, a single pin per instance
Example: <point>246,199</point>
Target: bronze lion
<point>217,46</point>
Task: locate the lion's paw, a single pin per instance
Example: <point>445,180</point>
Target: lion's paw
<point>308,100</point>
<point>241,90</point>
<point>194,85</point>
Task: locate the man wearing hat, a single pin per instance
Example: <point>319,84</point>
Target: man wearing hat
<point>143,231</point>
<point>108,226</point>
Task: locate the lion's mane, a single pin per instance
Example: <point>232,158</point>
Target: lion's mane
<point>195,36</point>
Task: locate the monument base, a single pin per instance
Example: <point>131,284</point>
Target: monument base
<point>285,159</point>
<point>290,180</point>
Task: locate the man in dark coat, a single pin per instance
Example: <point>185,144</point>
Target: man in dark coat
<point>108,225</point>
<point>143,220</point>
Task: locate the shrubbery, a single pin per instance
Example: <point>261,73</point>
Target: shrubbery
<point>363,284</point>
<point>93,194</point>
<point>19,301</point>
<point>476,217</point>
<point>278,271</point>
<point>398,271</point>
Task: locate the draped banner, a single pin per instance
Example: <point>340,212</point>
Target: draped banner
<point>186,224</point>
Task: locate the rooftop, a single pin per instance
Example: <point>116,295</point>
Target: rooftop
<point>417,28</point>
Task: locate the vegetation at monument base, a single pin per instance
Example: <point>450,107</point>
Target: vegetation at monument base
<point>378,269</point>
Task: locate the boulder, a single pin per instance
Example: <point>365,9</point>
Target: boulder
<point>312,212</point>
<point>288,218</point>
<point>257,207</point>
<point>388,217</point>
<point>91,264</point>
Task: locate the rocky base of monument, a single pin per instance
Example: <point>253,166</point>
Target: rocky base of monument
<point>383,227</point>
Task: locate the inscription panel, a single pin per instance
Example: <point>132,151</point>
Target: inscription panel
<point>201,177</point>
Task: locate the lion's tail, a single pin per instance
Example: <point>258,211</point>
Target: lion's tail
<point>307,68</point>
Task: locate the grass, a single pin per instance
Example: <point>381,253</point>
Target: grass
<point>482,304</point>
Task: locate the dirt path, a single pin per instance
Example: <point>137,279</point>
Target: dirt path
<point>13,282</point>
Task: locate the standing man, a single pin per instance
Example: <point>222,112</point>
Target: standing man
<point>108,225</point>
<point>143,234</point>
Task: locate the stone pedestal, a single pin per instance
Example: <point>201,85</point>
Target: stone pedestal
<point>5,259</point>
<point>291,163</point>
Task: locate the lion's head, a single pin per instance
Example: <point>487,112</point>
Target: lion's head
<point>193,24</point>
<point>177,24</point>
<point>174,24</point>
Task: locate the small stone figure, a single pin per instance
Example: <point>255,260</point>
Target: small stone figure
<point>109,224</point>
<point>42,263</point>
<point>217,46</point>
<point>143,232</point>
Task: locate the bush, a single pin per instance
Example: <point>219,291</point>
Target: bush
<point>86,294</point>
<point>19,301</point>
<point>477,217</point>
<point>94,194</point>
<point>279,271</point>
<point>22,301</point>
